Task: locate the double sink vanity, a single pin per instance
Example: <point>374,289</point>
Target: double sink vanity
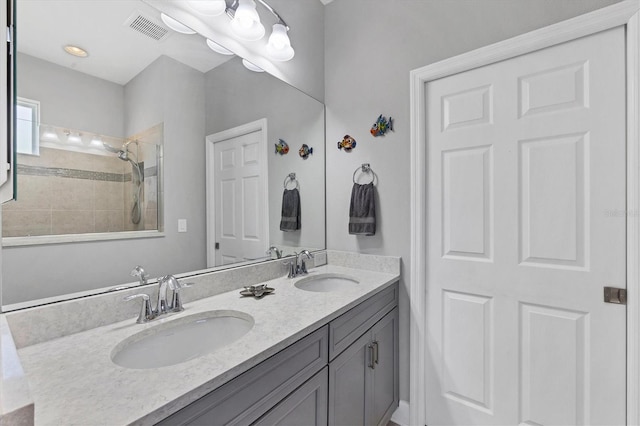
<point>321,349</point>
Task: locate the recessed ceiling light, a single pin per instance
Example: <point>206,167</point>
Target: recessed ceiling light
<point>75,51</point>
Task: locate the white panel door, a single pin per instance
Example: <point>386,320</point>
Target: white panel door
<point>526,225</point>
<point>237,183</point>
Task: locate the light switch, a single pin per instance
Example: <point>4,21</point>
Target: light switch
<point>182,225</point>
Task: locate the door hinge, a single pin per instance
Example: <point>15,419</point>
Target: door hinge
<point>615,295</point>
<point>10,39</point>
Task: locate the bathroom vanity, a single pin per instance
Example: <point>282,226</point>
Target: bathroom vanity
<point>347,370</point>
<point>311,357</point>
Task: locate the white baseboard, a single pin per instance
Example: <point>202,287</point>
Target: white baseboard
<point>401,415</point>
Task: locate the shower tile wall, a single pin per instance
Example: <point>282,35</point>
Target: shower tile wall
<point>66,192</point>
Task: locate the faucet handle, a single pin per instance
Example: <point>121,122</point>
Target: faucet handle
<point>292,268</point>
<point>176,299</point>
<point>146,313</point>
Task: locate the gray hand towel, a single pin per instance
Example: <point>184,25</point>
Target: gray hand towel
<point>362,212</point>
<point>290,210</point>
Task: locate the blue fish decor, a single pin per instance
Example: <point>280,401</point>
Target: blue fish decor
<point>305,151</point>
<point>381,126</point>
<point>347,143</point>
<point>281,147</point>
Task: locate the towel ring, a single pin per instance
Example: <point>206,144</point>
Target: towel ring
<point>365,168</point>
<point>291,177</point>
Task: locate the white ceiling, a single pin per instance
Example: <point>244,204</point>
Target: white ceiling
<point>116,52</point>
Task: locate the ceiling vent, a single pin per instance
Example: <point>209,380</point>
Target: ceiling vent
<point>147,26</point>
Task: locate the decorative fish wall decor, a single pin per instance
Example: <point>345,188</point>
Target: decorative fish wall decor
<point>381,126</point>
<point>305,151</point>
<point>281,147</point>
<point>347,143</point>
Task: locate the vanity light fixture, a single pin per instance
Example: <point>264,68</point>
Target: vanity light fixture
<point>73,137</point>
<point>175,25</point>
<point>251,67</point>
<point>246,22</point>
<point>49,134</point>
<point>217,48</point>
<point>96,141</point>
<point>75,51</point>
<point>208,7</point>
<point>279,46</point>
<point>245,25</point>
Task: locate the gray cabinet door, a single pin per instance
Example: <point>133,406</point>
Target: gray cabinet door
<point>363,380</point>
<point>348,384</point>
<point>307,405</point>
<point>384,377</point>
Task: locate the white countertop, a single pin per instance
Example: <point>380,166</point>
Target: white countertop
<point>74,382</point>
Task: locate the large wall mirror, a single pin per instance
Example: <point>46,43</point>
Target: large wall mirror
<point>126,149</point>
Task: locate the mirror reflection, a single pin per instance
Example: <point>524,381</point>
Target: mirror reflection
<point>74,182</point>
<point>160,105</point>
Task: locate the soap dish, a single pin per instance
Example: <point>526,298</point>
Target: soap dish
<point>257,291</point>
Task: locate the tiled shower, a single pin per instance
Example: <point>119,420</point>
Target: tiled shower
<point>77,190</point>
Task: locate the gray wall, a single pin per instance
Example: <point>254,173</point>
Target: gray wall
<point>70,98</point>
<point>236,96</point>
<point>168,92</point>
<point>370,48</point>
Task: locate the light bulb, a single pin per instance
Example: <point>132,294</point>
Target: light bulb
<point>279,46</point>
<point>176,26</point>
<point>246,22</point>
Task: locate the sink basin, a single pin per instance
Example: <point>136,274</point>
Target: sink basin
<point>326,282</point>
<point>182,339</point>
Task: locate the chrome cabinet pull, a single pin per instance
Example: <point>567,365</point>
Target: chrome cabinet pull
<point>371,357</point>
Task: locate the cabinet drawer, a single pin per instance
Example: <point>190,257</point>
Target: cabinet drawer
<point>306,406</point>
<point>247,397</point>
<point>346,329</point>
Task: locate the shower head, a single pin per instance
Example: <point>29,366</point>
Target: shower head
<point>110,148</point>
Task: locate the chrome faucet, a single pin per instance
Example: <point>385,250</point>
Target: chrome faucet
<point>173,284</point>
<point>168,282</point>
<point>297,265</point>
<point>273,249</point>
<point>163,283</point>
<point>139,272</point>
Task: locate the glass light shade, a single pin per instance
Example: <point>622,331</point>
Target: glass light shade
<point>279,46</point>
<point>246,22</point>
<point>217,48</point>
<point>208,7</point>
<point>49,134</point>
<point>74,137</point>
<point>176,26</point>
<point>251,67</point>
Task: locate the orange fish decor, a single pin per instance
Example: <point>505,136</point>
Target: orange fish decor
<point>347,143</point>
